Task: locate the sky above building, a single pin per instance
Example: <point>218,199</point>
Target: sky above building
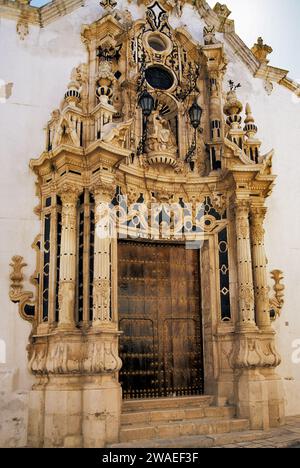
<point>277,21</point>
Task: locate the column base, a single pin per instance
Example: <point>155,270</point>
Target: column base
<point>36,421</point>
<point>276,399</point>
<point>252,399</point>
<point>101,413</point>
<point>75,412</point>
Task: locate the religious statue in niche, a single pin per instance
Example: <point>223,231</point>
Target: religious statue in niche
<point>160,135</point>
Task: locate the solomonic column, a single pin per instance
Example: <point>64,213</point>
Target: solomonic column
<point>245,275</point>
<point>259,262</point>
<point>67,273</point>
<point>103,193</point>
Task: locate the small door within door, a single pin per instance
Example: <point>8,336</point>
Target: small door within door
<point>159,315</point>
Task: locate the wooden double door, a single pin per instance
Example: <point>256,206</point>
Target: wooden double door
<point>159,315</point>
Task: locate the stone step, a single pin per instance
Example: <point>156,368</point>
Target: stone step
<point>166,403</point>
<point>203,426</point>
<point>180,414</point>
<point>207,441</point>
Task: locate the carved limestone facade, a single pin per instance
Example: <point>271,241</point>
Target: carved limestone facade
<point>103,169</point>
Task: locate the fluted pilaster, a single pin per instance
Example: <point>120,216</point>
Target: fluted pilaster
<point>67,274</point>
<point>103,193</point>
<point>259,262</point>
<point>245,274</point>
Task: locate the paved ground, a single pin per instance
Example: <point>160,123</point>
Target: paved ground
<point>287,436</point>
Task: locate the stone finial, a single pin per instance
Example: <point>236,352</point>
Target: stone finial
<point>72,96</point>
<point>222,11</point>
<point>277,301</point>
<point>250,127</point>
<point>261,51</point>
<point>233,107</point>
<point>17,278</point>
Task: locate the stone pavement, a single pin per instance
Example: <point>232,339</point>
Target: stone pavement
<point>287,436</point>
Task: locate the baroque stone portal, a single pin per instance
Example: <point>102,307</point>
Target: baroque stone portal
<point>95,188</point>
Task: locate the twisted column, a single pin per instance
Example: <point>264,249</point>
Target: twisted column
<point>67,273</point>
<point>259,261</point>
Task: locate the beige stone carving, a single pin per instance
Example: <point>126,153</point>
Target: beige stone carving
<point>261,51</point>
<point>17,293</point>
<point>222,10</point>
<point>91,150</point>
<point>22,28</point>
<point>254,352</point>
<point>160,136</point>
<point>209,35</point>
<point>277,301</point>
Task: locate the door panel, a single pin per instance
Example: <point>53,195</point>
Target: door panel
<point>159,314</point>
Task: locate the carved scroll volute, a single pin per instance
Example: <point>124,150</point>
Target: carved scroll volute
<point>17,294</point>
<point>277,301</point>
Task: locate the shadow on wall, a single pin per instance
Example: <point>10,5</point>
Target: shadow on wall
<point>2,352</point>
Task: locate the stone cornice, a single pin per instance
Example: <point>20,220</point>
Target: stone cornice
<point>41,16</point>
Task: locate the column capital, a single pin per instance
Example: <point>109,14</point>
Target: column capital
<point>242,205</point>
<point>104,190</point>
<point>258,213</point>
<point>257,217</point>
<point>68,193</point>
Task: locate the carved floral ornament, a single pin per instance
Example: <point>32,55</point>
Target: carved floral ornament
<point>252,352</point>
<point>90,357</point>
<point>277,301</point>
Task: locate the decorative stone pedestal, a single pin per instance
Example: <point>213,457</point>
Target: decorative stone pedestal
<point>77,399</point>
<point>101,400</point>
<point>252,398</point>
<point>276,400</point>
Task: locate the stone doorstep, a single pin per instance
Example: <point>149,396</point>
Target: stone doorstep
<point>181,414</point>
<point>201,401</point>
<point>247,439</point>
<point>211,441</point>
<point>183,428</point>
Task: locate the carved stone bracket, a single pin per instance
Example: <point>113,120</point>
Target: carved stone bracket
<point>277,301</point>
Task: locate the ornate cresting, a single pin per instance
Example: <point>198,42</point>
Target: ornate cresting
<point>96,181</point>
